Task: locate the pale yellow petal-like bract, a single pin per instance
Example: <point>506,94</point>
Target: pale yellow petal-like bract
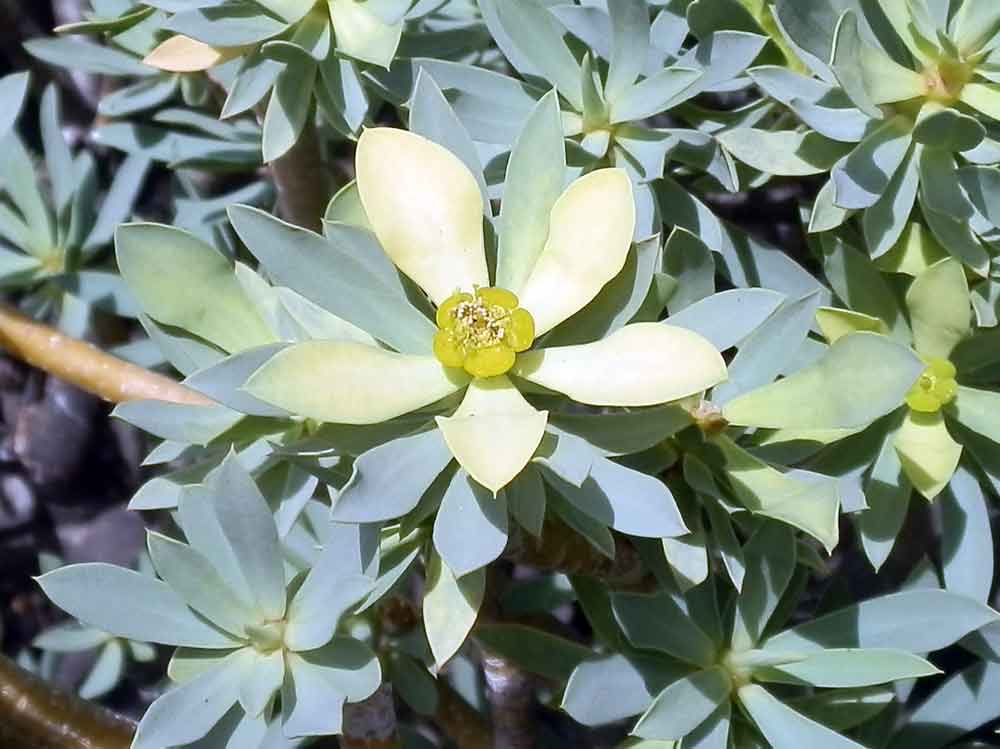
<point>182,54</point>
<point>590,232</point>
<point>639,365</point>
<point>927,451</point>
<point>351,383</point>
<point>495,432</point>
<point>425,208</point>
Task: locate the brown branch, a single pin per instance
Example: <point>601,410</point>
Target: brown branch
<point>454,717</point>
<point>303,181</point>
<point>34,714</point>
<point>86,366</point>
<point>512,700</point>
<point>560,549</point>
<point>462,723</point>
<point>371,724</point>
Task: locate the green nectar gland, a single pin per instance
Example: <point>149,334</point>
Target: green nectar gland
<point>935,388</point>
<point>482,332</point>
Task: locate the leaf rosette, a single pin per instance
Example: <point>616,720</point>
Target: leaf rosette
<point>244,632</point>
<point>899,110</point>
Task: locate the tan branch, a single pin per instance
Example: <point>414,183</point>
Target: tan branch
<point>455,717</point>
<point>86,366</point>
<point>34,715</point>
<point>459,721</point>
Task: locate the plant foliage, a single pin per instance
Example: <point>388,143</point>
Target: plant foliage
<point>523,366</point>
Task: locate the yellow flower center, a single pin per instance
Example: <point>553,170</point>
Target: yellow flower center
<point>935,388</point>
<point>54,262</point>
<point>945,78</point>
<point>482,332</point>
<point>267,637</point>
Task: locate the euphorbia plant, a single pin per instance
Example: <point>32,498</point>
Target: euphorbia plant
<point>900,111</point>
<point>518,403</point>
<point>485,328</point>
<point>244,631</point>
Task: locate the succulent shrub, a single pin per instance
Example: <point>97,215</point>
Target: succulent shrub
<point>898,107</point>
<point>592,353</point>
<point>111,655</point>
<point>57,240</point>
<point>241,638</point>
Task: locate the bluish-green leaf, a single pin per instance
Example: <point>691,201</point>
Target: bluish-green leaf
<point>13,89</point>
<point>246,521</point>
<point>629,45</point>
<point>784,728</point>
<point>963,703</point>
<point>684,705</point>
<point>470,530</point>
<point>919,621</point>
<point>536,174</point>
<point>861,286</point>
<point>634,681</point>
<point>181,281</point>
<point>888,493</point>
<point>389,480</point>
<point>770,350</point>
<point>862,178</point>
<point>350,276</point>
<point>659,623</point>
<point>727,318</point>
<point>106,672</point>
<point>129,604</point>
<point>770,559</point>
<point>783,152</point>
<point>87,57</point>
<point>227,25</point>
<point>862,377</point>
<point>192,575</point>
<point>966,537</point>
<point>532,39</point>
<point>450,608</point>
<point>202,701</point>
<point>289,107</point>
<point>433,117</point>
<point>328,592</point>
<point>842,668</point>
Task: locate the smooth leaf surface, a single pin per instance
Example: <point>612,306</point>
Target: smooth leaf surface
<point>825,395</point>
<point>128,604</point>
<point>450,608</point>
<point>918,621</point>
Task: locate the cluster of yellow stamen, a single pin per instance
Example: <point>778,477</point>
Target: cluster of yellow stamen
<point>935,388</point>
<point>482,332</point>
